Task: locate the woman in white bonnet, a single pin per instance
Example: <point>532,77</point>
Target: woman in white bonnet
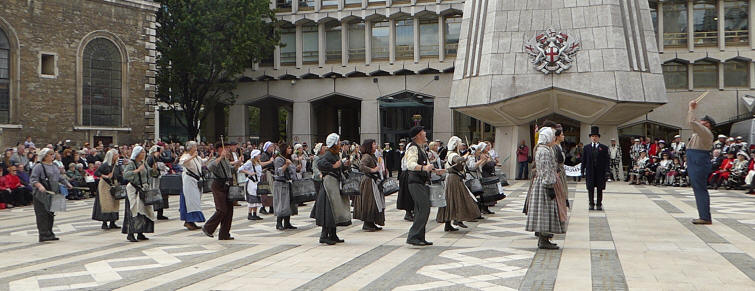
<point>460,206</point>
<point>331,208</point>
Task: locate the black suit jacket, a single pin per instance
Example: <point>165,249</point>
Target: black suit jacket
<point>595,165</point>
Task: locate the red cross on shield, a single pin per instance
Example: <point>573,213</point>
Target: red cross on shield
<point>552,54</point>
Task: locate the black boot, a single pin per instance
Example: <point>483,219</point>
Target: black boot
<point>279,223</point>
<point>449,227</point>
<point>104,225</point>
<point>287,223</point>
<point>263,211</point>
<point>409,216</point>
<point>333,235</point>
<point>113,225</point>
<point>131,238</point>
<point>325,237</point>
<point>544,243</point>
<point>160,215</point>
<point>460,224</point>
<point>141,236</point>
<point>486,210</point>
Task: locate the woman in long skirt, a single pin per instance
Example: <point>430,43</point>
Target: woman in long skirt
<point>460,204</point>
<point>562,194</point>
<point>283,205</point>
<point>190,204</point>
<point>331,208</point>
<point>542,208</point>
<point>267,160</point>
<point>106,207</point>
<point>46,179</point>
<point>316,175</point>
<point>370,205</point>
<point>139,218</point>
<point>253,170</point>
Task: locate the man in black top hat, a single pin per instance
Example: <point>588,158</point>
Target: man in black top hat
<point>595,167</point>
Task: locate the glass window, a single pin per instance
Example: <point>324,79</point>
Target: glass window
<point>375,2</point>
<point>380,40</point>
<point>736,25</point>
<point>706,23</point>
<point>428,37</point>
<point>333,41</point>
<point>306,4</point>
<point>310,43</point>
<point>101,101</point>
<point>283,4</point>
<point>356,41</point>
<point>736,74</point>
<point>352,3</point>
<point>288,45</point>
<point>675,75</point>
<point>675,24</point>
<point>452,27</point>
<point>404,39</point>
<point>329,3</point>
<point>705,75</point>
<point>4,78</point>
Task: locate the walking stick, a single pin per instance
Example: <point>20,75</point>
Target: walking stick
<point>700,98</point>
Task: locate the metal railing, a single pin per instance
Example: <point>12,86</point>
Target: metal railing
<point>733,37</point>
<point>706,38</point>
<point>451,48</point>
<point>674,39</point>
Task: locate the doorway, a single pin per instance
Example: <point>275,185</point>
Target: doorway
<point>571,130</point>
<point>400,112</point>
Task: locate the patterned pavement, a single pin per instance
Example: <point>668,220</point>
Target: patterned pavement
<point>643,241</point>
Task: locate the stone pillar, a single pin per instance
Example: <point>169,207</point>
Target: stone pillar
<point>367,42</point>
<point>752,76</point>
<point>302,130</point>
<point>690,26</point>
<point>690,77</point>
<point>277,58</point>
<point>442,119</point>
<point>721,27</point>
<point>660,27</point>
<point>364,4</point>
<point>272,5</point>
<point>318,5</point>
<point>720,75</point>
<point>370,123</point>
<point>507,139</point>
<point>415,26</point>
<point>441,38</point>
<point>299,44</point>
<point>344,43</point>
<point>238,116</point>
<point>751,25</point>
<point>321,44</point>
<point>391,41</point>
<point>294,6</point>
<point>340,5</point>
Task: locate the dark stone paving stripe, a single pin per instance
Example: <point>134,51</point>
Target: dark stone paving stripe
<point>668,207</point>
<point>702,231</point>
<point>607,273</point>
<point>51,259</point>
<point>742,228</point>
<point>743,262</point>
<point>227,267</point>
<point>599,229</point>
<point>541,274</point>
<point>341,272</point>
<point>397,276</point>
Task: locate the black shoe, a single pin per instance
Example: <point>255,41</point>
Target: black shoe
<point>592,207</point>
<point>428,243</point>
<point>279,227</point>
<point>263,211</point>
<point>104,225</point>
<point>204,230</point>
<point>249,216</point>
<point>450,228</point>
<point>113,225</point>
<point>141,237</point>
<point>409,217</point>
<point>131,238</point>
<point>335,238</point>
<point>161,217</point>
<point>544,243</point>
<point>44,239</point>
<point>254,217</point>
<point>327,240</point>
<point>486,210</point>
<point>226,238</point>
<point>460,224</point>
<point>289,226</point>
<point>369,228</point>
<point>480,218</point>
<point>599,208</point>
<point>416,243</point>
<point>547,235</point>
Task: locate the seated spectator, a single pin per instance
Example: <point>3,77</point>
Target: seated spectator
<point>90,178</point>
<point>19,191</point>
<point>637,172</point>
<point>7,200</point>
<point>750,179</point>
<point>650,169</point>
<point>672,176</point>
<point>739,171</point>
<point>663,167</point>
<point>716,178</point>
<point>77,180</point>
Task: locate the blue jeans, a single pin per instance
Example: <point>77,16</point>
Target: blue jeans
<point>698,169</point>
<point>522,170</point>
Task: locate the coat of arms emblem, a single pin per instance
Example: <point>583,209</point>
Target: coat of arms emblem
<point>551,51</point>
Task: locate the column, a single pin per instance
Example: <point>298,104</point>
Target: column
<point>507,139</point>
<point>750,25</point>
<point>660,27</point>
<point>370,123</point>
<point>294,6</point>
<point>299,46</point>
<point>441,38</point>
<point>157,122</point>
<point>415,25</point>
<point>391,41</point>
<point>340,4</point>
<point>238,116</point>
<point>442,117</point>
<point>720,75</point>
<point>364,4</point>
<point>277,57</point>
<point>721,27</point>
<point>367,42</point>
<point>302,130</point>
<point>344,43</point>
<point>318,5</point>
<point>690,26</point>
<point>690,76</point>
<point>752,76</point>
<point>321,44</point>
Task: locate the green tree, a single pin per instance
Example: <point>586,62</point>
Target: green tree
<point>204,46</point>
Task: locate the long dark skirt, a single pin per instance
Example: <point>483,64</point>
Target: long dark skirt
<point>138,224</point>
<point>97,212</point>
<point>322,211</point>
<point>365,207</point>
<point>460,205</point>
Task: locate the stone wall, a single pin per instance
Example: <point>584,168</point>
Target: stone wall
<point>48,108</point>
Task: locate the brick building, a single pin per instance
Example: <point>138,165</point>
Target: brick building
<point>77,69</point>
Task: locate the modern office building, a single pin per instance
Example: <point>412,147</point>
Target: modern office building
<point>373,68</point>
<point>77,69</point>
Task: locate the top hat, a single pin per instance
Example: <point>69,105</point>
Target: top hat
<point>594,131</point>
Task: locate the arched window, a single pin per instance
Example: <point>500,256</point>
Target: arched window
<point>675,75</point>
<point>102,84</point>
<point>705,74</point>
<point>736,74</point>
<point>4,78</point>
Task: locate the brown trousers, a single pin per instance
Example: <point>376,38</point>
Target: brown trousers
<point>223,211</point>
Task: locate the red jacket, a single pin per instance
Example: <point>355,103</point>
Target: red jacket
<point>12,182</point>
<point>726,165</point>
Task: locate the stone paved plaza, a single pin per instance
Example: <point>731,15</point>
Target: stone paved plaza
<point>643,241</point>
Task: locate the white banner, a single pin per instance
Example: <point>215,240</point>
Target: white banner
<point>574,171</point>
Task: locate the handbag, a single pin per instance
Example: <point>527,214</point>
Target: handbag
<point>150,196</point>
<point>303,190</point>
<point>437,195</point>
<point>118,191</point>
<point>350,185</point>
<point>171,184</point>
<point>263,187</point>
<point>474,186</point>
<point>491,193</point>
<point>389,186</point>
<point>236,193</point>
<point>489,180</point>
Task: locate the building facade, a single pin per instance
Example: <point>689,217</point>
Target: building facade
<point>373,68</point>
<point>77,69</point>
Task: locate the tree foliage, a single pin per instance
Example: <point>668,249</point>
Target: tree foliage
<point>204,46</point>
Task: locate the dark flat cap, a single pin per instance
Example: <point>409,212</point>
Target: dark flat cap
<point>416,130</point>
